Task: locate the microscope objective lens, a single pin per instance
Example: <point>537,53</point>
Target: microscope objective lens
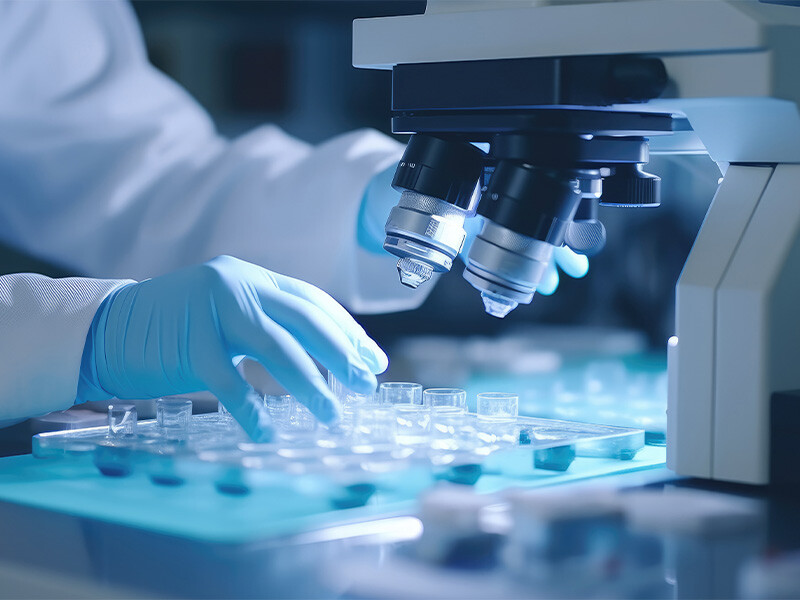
<point>496,305</point>
<point>413,273</point>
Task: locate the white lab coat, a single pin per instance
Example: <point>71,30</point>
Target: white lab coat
<point>110,168</point>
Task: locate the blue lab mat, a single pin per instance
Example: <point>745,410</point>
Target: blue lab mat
<point>196,510</point>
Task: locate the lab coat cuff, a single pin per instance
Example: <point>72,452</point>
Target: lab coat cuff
<point>89,388</point>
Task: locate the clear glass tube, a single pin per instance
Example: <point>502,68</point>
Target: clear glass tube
<point>346,396</point>
<point>447,429</point>
<point>375,424</point>
<point>121,420</point>
<point>173,417</point>
<point>301,419</point>
<point>498,406</point>
<point>413,424</point>
<point>445,400</point>
<point>400,392</point>
<point>280,409</point>
<point>350,401</point>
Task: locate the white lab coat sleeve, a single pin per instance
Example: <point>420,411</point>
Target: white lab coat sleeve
<point>110,168</point>
<point>43,328</point>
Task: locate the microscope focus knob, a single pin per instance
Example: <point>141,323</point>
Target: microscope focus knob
<point>630,187</point>
<point>586,234</point>
<point>586,237</point>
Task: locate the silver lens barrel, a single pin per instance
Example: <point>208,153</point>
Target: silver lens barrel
<point>506,267</point>
<point>426,234</point>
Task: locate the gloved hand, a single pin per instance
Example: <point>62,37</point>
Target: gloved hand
<point>181,332</point>
<point>573,264</point>
<point>379,199</point>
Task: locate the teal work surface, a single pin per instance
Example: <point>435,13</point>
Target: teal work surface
<point>198,511</point>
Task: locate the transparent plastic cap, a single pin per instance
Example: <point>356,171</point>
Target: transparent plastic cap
<point>498,406</point>
<point>400,392</point>
<point>445,400</point>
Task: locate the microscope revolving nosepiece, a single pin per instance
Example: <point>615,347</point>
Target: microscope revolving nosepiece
<point>506,267</point>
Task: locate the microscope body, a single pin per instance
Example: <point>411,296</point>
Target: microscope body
<point>583,79</point>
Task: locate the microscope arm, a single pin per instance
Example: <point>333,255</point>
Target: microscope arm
<point>738,328</point>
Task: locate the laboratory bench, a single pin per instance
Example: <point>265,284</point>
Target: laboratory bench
<point>529,523</point>
<point>67,531</point>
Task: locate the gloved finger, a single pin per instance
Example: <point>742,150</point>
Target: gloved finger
<point>282,355</point>
<point>320,336</point>
<point>365,346</point>
<point>573,264</point>
<point>549,283</point>
<point>241,400</point>
<point>378,200</point>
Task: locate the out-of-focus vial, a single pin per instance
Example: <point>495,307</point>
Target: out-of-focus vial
<point>452,532</point>
<point>121,420</point>
<point>349,400</point>
<point>346,396</point>
<point>413,424</point>
<point>771,577</point>
<point>498,406</point>
<point>565,536</point>
<point>301,419</point>
<point>375,424</point>
<point>451,432</point>
<point>412,419</point>
<point>280,409</point>
<point>445,401</point>
<point>400,392</point>
<point>448,408</point>
<point>173,417</point>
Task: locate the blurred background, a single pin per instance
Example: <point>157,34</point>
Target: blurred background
<point>289,63</point>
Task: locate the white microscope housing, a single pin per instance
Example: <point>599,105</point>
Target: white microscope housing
<point>732,91</point>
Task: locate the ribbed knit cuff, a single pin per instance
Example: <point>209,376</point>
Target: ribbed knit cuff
<point>89,388</point>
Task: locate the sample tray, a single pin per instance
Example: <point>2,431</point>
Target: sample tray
<point>346,469</point>
<point>629,393</point>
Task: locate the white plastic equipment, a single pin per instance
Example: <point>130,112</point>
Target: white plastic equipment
<point>732,66</point>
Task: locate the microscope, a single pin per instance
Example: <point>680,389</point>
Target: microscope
<point>532,114</point>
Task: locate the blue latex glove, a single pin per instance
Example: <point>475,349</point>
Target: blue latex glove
<point>379,199</point>
<point>181,332</point>
<point>573,264</point>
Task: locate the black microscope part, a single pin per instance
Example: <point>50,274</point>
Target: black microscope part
<point>538,202</point>
<point>527,82</point>
<point>630,187</point>
<point>586,234</point>
<point>482,126</point>
<point>569,150</point>
<point>444,169</point>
